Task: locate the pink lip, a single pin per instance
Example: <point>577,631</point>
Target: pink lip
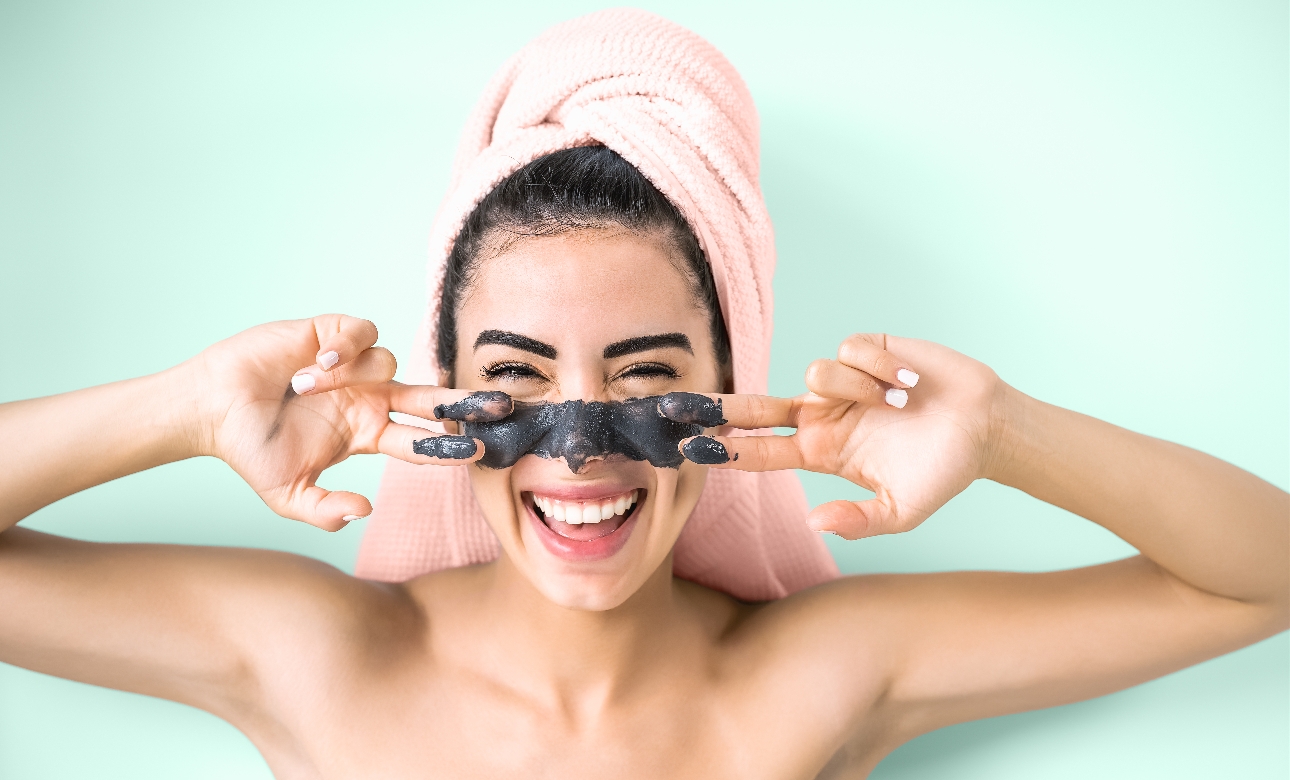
<point>579,492</point>
<point>573,550</point>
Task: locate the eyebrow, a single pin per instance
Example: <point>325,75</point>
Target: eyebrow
<point>507,339</point>
<point>644,343</point>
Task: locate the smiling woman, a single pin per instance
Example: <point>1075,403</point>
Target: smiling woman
<point>602,328</point>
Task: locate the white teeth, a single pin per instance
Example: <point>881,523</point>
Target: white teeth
<point>577,512</point>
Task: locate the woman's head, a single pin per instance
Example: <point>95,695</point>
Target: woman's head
<point>577,279</point>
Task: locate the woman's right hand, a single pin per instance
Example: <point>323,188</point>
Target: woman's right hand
<point>281,402</point>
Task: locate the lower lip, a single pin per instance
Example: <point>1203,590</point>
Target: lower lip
<point>573,550</point>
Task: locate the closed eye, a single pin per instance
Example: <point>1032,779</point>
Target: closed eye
<point>509,370</point>
<point>649,371</point>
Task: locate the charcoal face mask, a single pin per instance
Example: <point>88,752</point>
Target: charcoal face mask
<point>581,430</point>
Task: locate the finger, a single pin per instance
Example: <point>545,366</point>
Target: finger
<point>858,519</point>
<point>373,365</point>
<point>868,352</point>
<point>832,379</point>
<point>342,338</point>
<point>445,403</point>
<point>740,411</point>
<point>745,453</point>
<point>326,509</point>
<point>417,445</point>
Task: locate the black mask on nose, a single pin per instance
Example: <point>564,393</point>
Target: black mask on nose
<point>579,431</point>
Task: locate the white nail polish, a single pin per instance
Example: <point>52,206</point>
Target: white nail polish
<point>351,518</point>
<point>302,383</point>
<point>907,377</point>
<point>897,398</point>
<point>329,359</point>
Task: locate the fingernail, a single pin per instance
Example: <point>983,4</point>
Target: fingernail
<point>329,359</point>
<point>482,406</point>
<point>907,377</point>
<point>705,450</point>
<point>302,383</point>
<point>897,398</point>
<point>351,518</point>
<point>691,408</point>
<point>449,447</point>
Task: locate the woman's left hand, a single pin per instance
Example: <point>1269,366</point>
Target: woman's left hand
<point>912,421</point>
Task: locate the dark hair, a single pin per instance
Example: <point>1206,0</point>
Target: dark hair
<point>574,189</point>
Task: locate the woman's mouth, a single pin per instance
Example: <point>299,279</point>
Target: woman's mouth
<point>584,529</point>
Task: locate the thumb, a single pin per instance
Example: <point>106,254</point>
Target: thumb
<point>326,509</point>
<point>858,519</point>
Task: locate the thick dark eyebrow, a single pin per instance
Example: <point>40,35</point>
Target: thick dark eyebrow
<point>508,339</point>
<point>645,343</point>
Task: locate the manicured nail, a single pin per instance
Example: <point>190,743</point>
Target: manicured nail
<point>302,383</point>
<point>897,398</point>
<point>907,377</point>
<point>483,406</point>
<point>329,359</point>
<point>692,408</point>
<point>351,518</point>
<point>705,451</point>
<point>448,447</point>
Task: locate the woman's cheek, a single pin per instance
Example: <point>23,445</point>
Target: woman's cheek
<point>681,488</point>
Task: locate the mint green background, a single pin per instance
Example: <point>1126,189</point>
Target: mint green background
<point>1089,196</point>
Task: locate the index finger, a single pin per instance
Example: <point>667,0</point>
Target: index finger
<point>445,403</point>
<point>735,409</point>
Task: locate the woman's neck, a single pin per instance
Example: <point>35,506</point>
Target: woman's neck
<point>569,659</point>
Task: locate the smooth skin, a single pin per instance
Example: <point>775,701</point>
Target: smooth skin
<point>538,667</point>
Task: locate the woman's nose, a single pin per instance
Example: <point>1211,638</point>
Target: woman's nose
<point>580,386</point>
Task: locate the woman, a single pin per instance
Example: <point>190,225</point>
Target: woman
<point>577,651</point>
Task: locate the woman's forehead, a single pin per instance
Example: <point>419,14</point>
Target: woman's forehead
<point>597,288</point>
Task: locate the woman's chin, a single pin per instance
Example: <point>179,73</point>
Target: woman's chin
<point>588,566</point>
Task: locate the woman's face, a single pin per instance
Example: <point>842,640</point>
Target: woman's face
<point>593,315</point>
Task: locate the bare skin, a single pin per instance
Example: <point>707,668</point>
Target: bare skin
<point>540,666</point>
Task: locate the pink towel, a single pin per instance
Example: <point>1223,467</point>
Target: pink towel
<point>671,104</point>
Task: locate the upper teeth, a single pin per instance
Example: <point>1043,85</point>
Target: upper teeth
<point>577,512</point>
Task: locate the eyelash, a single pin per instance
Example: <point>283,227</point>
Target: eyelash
<point>508,370</point>
<point>517,371</point>
<point>651,370</point>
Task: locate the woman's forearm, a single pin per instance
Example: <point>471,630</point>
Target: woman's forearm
<point>62,444</point>
<point>1210,524</point>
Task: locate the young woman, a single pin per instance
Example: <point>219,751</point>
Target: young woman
<point>577,653</point>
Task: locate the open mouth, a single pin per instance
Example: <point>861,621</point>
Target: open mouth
<point>585,521</point>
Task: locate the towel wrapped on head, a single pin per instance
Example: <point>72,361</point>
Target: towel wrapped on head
<point>674,107</point>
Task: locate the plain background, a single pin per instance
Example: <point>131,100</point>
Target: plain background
<point>1089,196</point>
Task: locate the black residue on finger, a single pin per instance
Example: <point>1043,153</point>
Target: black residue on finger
<point>692,408</point>
<point>582,431</point>
<point>705,451</point>
<point>447,447</point>
<point>483,406</point>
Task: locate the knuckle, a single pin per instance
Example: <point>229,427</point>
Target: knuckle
<point>386,363</point>
<point>817,372</point>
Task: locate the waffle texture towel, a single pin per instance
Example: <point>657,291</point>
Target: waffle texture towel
<point>673,106</point>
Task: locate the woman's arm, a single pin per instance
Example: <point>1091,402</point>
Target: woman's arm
<point>1206,523</point>
<point>201,625</point>
<point>64,444</point>
<point>930,650</point>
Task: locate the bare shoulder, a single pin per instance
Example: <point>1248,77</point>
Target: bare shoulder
<point>223,629</point>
